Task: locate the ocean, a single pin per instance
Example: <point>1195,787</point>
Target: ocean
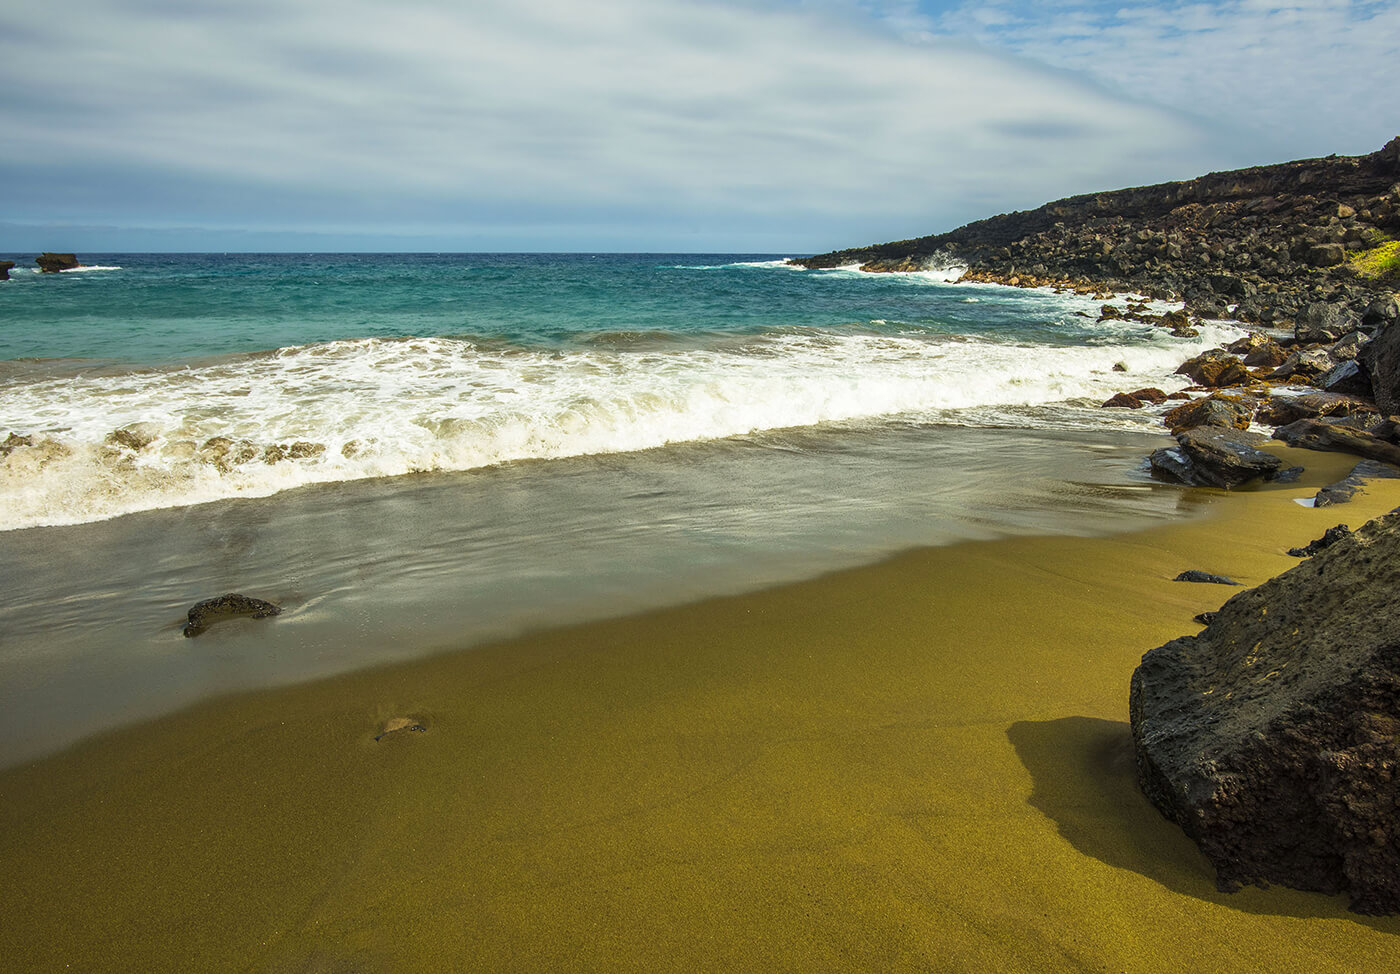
<point>418,453</point>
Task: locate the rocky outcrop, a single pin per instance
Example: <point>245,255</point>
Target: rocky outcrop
<point>1312,434</point>
<point>204,614</point>
<point>5,266</point>
<point>1212,456</point>
<point>1273,243</point>
<point>1270,737</point>
<point>1354,483</point>
<point>53,263</point>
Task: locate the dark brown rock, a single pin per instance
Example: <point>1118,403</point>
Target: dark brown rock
<point>1282,410</point>
<point>1316,434</point>
<point>204,614</point>
<point>53,263</point>
<point>1270,737</point>
<point>1217,409</point>
<point>5,266</point>
<point>1214,369</point>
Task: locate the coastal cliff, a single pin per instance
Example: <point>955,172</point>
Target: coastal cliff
<point>1263,243</point>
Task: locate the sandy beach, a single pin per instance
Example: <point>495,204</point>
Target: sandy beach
<point>920,765</point>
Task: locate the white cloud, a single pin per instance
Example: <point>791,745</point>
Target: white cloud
<point>666,110</point>
<point>1289,79</point>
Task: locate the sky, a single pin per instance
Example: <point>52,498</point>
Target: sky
<point>761,126</point>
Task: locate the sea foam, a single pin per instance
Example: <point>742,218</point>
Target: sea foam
<point>98,445</point>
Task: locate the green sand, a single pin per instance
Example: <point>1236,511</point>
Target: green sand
<point>920,765</point>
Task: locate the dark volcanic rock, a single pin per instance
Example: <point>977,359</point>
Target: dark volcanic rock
<point>1196,575</point>
<point>53,263</point>
<point>1314,434</point>
<point>204,614</point>
<point>1265,243</point>
<point>1329,537</point>
<point>1211,456</point>
<point>1380,357</point>
<point>1325,322</point>
<point>1215,368</point>
<point>1354,483</point>
<point>5,266</point>
<point>1270,737</point>
<point>1217,409</point>
<point>1282,410</point>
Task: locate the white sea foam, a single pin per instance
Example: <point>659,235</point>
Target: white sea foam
<point>89,267</point>
<point>347,410</point>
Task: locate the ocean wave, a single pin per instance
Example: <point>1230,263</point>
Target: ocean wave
<point>92,446</point>
<point>85,268</point>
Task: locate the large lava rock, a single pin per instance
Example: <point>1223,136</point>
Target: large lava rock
<point>53,263</point>
<point>1213,456</point>
<point>1270,737</point>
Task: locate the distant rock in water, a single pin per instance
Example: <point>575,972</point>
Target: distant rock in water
<point>1270,737</point>
<point>204,614</point>
<point>53,263</point>
<point>5,266</point>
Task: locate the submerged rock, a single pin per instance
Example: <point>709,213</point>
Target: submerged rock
<point>1270,737</point>
<point>204,614</point>
<point>397,725</point>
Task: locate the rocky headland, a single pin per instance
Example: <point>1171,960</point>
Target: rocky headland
<point>1271,737</point>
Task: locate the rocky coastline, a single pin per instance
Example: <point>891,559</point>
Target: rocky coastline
<point>1270,737</point>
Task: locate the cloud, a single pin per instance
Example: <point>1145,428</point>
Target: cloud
<point>666,115</point>
<point>1285,79</point>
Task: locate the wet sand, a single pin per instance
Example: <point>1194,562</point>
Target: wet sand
<point>918,765</point>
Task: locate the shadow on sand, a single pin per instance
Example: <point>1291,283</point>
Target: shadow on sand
<point>1085,780</point>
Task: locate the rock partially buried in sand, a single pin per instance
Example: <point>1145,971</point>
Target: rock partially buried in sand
<point>1196,575</point>
<point>204,614</point>
<point>395,725</point>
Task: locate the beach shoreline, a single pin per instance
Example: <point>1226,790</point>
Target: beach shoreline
<point>919,764</point>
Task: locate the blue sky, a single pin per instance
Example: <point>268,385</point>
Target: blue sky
<point>726,125</point>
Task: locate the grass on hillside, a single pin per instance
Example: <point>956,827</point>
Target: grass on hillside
<point>1379,263</point>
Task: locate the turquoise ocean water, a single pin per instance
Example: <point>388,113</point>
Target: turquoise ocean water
<point>419,452</point>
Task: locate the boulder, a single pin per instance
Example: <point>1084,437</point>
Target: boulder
<point>1325,255</point>
<point>1123,400</point>
<point>1329,537</point>
<point>1307,364</point>
<point>1270,737</point>
<point>1317,434</point>
<point>1217,409</point>
<point>1282,410</point>
<point>1196,575</point>
<point>1211,456</point>
<point>1324,322</point>
<point>5,266</point>
<point>204,614</point>
<point>53,263</point>
<point>1259,351</point>
<point>1214,369</point>
<point>1380,357</point>
<point>1347,378</point>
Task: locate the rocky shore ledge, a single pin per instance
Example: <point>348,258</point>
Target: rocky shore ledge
<point>1271,737</point>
